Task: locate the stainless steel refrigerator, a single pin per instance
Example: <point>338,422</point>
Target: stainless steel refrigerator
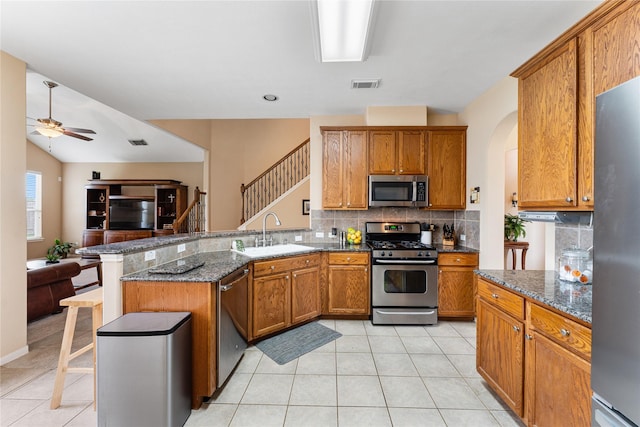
<point>615,364</point>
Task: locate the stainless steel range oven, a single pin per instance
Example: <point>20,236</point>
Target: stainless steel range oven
<point>404,275</point>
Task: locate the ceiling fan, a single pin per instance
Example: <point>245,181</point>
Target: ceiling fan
<point>53,128</point>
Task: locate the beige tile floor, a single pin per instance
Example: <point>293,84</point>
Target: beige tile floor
<point>371,376</point>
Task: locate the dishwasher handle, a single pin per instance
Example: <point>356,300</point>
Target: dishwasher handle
<point>232,281</point>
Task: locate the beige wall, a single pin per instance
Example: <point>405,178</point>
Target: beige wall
<point>491,119</point>
<point>289,210</point>
<point>240,151</point>
<point>77,175</point>
<point>51,170</point>
<point>13,222</point>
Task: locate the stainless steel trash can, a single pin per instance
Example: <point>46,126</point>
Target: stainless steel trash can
<point>144,370</point>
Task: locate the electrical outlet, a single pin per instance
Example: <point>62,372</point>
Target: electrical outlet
<point>320,234</point>
<point>149,255</point>
<point>182,247</point>
<point>298,238</point>
<point>463,237</point>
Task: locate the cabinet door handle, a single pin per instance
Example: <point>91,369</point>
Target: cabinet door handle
<point>401,170</point>
<point>287,277</point>
<point>569,199</point>
<point>294,276</point>
<point>307,261</point>
<point>565,332</point>
<point>528,337</point>
<point>585,198</point>
<point>273,267</point>
<point>516,328</point>
<point>457,259</point>
<point>366,269</point>
<point>494,296</point>
<point>348,259</point>
<point>393,170</point>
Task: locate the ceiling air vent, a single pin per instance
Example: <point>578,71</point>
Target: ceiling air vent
<point>365,84</point>
<point>138,142</point>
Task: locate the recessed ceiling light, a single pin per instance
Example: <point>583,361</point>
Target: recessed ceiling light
<point>270,98</point>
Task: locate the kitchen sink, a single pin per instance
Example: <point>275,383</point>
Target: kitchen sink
<point>264,251</point>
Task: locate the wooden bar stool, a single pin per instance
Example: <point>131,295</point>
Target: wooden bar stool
<point>513,247</point>
<point>92,299</point>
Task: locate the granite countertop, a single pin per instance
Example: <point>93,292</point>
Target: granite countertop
<point>213,266</point>
<point>544,286</point>
<point>457,248</point>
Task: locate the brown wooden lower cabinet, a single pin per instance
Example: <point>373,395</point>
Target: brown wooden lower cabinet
<point>92,238</point>
<point>558,385</point>
<point>456,285</point>
<point>285,292</point>
<point>534,357</point>
<point>499,354</point>
<point>200,300</point>
<point>114,236</point>
<point>348,291</point>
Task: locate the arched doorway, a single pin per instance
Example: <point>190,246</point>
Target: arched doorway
<point>501,180</point>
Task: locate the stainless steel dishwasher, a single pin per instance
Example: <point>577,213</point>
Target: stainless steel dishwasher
<point>233,321</point>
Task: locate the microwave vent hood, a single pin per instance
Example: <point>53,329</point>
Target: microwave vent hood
<point>584,218</point>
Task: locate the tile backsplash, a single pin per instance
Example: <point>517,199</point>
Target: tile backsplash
<point>570,235</point>
<point>465,222</point>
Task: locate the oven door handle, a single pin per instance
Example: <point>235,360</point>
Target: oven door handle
<point>404,312</point>
<point>404,261</point>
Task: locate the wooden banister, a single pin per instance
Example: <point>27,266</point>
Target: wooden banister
<point>273,182</point>
<point>193,214</point>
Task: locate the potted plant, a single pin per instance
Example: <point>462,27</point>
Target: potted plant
<point>60,248</point>
<point>52,258</point>
<point>514,227</point>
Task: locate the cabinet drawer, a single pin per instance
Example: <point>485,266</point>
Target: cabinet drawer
<point>558,328</point>
<point>502,298</point>
<point>469,259</point>
<point>281,265</point>
<point>348,258</point>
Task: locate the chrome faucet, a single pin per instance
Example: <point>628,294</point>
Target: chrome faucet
<point>264,226</point>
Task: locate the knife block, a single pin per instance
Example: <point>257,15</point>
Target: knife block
<point>448,241</point>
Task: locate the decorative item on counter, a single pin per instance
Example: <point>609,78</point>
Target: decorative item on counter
<point>237,245</point>
<point>448,235</point>
<point>575,265</point>
<point>354,237</point>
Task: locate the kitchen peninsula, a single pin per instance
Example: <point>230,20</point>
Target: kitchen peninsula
<point>326,279</point>
<point>534,344</point>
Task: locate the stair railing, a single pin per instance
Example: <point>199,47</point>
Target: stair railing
<point>275,181</point>
<point>192,220</point>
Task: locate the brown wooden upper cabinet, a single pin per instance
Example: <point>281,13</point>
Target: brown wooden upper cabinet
<point>399,152</point>
<point>447,153</point>
<point>344,171</point>
<point>556,105</point>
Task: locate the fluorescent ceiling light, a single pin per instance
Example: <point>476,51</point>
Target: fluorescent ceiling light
<point>341,29</point>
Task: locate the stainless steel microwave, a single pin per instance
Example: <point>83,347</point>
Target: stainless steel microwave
<point>398,190</point>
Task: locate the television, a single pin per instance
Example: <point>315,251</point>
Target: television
<point>131,214</point>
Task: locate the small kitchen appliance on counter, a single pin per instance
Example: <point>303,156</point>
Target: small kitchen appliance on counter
<point>404,275</point>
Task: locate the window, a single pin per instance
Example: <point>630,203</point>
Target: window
<point>33,185</point>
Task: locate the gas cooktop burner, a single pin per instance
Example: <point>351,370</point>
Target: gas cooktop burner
<point>405,244</point>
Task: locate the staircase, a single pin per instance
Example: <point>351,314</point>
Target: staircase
<point>192,219</point>
<point>276,181</point>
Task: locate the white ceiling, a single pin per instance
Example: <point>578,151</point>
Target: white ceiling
<point>216,59</point>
